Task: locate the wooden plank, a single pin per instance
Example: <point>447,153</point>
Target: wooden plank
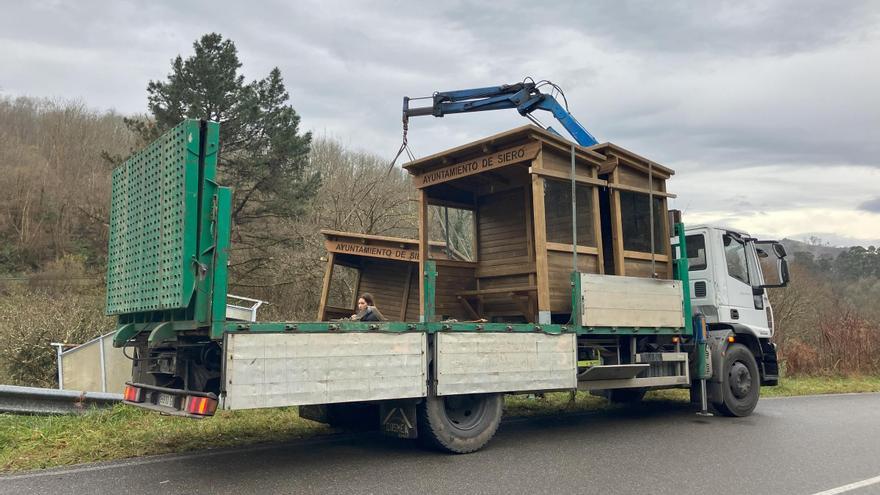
<point>325,288</point>
<point>638,255</point>
<point>456,263</point>
<point>352,235</point>
<point>642,268</point>
<point>580,178</point>
<point>371,250</point>
<point>480,164</point>
<point>643,190</point>
<point>566,248</point>
<point>507,261</point>
<point>540,230</point>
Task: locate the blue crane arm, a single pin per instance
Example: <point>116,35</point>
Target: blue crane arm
<point>525,97</point>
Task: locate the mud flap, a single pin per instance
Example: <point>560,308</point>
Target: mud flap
<point>399,418</point>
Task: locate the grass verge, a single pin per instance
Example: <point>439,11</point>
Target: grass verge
<point>35,442</point>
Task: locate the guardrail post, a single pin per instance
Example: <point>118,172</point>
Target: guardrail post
<point>58,348</point>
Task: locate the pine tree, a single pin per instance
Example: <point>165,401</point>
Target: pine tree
<point>263,156</point>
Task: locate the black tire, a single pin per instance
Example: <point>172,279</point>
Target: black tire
<point>741,383</point>
<point>459,423</point>
<point>626,395</point>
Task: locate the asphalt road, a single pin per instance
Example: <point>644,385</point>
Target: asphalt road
<point>802,445</point>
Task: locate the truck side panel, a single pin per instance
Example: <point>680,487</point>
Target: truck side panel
<point>614,301</point>
<point>469,363</point>
<point>277,369</point>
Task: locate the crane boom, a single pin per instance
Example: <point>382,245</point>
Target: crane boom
<point>525,97</point>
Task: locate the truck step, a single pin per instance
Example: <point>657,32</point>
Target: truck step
<point>612,372</point>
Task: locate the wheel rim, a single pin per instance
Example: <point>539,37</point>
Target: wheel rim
<point>465,411</point>
<point>740,379</point>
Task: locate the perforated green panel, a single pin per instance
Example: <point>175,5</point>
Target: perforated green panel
<point>153,225</point>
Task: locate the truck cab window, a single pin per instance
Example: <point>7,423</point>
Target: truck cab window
<point>696,252</point>
<point>735,254</point>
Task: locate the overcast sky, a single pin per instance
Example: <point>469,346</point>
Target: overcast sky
<point>768,111</point>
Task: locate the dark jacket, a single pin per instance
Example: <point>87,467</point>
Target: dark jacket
<point>372,313</point>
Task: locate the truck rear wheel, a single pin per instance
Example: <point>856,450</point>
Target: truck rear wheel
<point>459,423</point>
<point>741,383</point>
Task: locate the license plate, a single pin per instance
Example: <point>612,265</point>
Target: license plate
<point>166,400</point>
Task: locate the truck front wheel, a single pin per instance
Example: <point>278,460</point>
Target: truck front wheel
<point>459,423</point>
<point>741,383</point>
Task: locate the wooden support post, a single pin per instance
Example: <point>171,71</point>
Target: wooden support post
<point>666,236</point>
<point>530,234</point>
<point>539,220</point>
<point>325,289</point>
<point>597,227</point>
<point>617,227</point>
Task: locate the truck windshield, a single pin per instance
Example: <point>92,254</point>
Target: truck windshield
<point>735,253</point>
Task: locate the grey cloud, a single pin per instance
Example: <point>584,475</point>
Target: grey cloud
<point>872,205</point>
<point>348,65</point>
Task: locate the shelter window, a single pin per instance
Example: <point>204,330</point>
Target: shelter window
<point>452,232</point>
<point>557,211</point>
<point>636,219</point>
<point>343,285</point>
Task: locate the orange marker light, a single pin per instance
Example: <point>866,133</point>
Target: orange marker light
<point>675,340</point>
<point>132,394</point>
<point>730,339</point>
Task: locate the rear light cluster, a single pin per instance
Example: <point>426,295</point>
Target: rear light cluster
<point>201,406</point>
<point>133,394</point>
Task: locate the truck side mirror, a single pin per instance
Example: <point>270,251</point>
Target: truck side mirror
<point>779,249</point>
<point>771,256</point>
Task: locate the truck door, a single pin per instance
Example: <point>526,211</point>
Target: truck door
<point>744,297</point>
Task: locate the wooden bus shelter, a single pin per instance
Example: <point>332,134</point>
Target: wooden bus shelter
<point>520,210</point>
<point>386,267</point>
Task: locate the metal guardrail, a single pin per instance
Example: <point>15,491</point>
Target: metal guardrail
<point>32,400</point>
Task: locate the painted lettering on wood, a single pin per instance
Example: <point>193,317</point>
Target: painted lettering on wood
<point>479,164</point>
<point>391,253</point>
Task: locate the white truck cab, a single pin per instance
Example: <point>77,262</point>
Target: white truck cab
<point>729,273</point>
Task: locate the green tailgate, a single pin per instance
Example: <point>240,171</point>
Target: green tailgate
<point>153,225</point>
